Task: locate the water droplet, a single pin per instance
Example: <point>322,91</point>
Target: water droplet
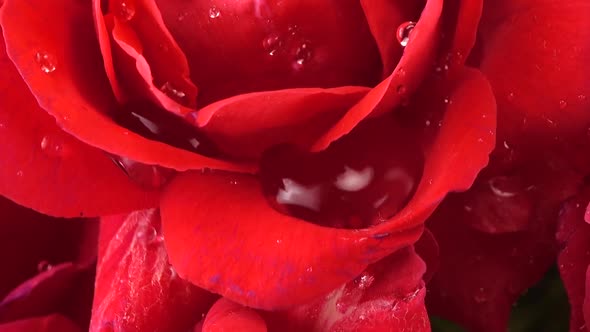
<point>582,97</point>
<point>44,266</point>
<point>562,104</point>
<point>404,31</point>
<point>182,16</point>
<point>148,234</point>
<point>427,123</point>
<point>500,186</point>
<point>309,269</point>
<point>510,96</point>
<point>46,61</point>
<point>303,54</point>
<point>214,12</point>
<point>294,193</point>
<point>126,10</point>
<point>19,173</point>
<point>52,146</point>
<point>447,100</point>
<point>172,92</point>
<point>506,146</point>
<point>352,180</point>
<point>271,44</point>
<point>401,90</point>
<point>293,29</point>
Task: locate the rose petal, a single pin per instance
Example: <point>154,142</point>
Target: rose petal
<point>573,260</point>
<point>134,276</point>
<point>244,126</point>
<point>50,171</point>
<point>157,70</point>
<point>239,47</point>
<point>535,54</point>
<point>383,16</point>
<point>28,239</point>
<point>225,315</point>
<point>77,93</point>
<point>388,296</point>
<point>256,238</point>
<point>483,272</point>
<point>49,323</point>
<point>104,41</point>
<point>411,70</point>
<point>65,288</point>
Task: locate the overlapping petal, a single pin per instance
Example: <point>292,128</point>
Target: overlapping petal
<point>496,241</point>
<point>234,232</point>
<point>76,92</point>
<point>226,315</point>
<point>388,296</point>
<point>574,258</point>
<point>134,276</point>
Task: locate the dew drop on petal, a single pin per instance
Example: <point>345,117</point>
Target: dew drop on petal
<point>126,10</point>
<point>401,90</point>
<point>404,31</point>
<point>172,92</point>
<point>147,234</point>
<point>46,61</point>
<point>353,180</point>
<point>562,104</point>
<point>214,12</point>
<point>271,44</point>
<point>52,146</point>
<point>303,54</point>
<point>294,193</point>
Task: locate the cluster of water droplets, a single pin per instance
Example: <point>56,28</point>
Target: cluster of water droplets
<point>46,61</point>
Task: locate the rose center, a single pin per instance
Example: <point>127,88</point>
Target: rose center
<point>236,47</point>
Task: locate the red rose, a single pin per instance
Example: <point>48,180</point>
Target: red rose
<point>277,152</point>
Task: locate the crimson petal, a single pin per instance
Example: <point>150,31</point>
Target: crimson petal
<point>133,275</point>
<point>65,288</point>
<point>532,52</point>
<point>233,231</point>
<point>77,92</point>
<point>410,72</point>
<point>49,323</point>
<point>225,315</point>
<point>48,170</point>
<point>388,296</point>
<point>574,259</point>
<point>158,70</point>
<point>246,125</point>
<point>488,256</point>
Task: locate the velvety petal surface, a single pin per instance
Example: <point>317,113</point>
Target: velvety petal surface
<point>134,276</point>
<point>536,55</point>
<point>147,60</point>
<point>50,171</point>
<point>226,315</point>
<point>409,73</point>
<point>244,126</point>
<point>59,58</point>
<point>65,289</point>
<point>387,296</point>
<point>238,47</point>
<point>496,241</point>
<point>31,242</point>
<point>49,323</point>
<point>233,231</point>
<point>574,257</point>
